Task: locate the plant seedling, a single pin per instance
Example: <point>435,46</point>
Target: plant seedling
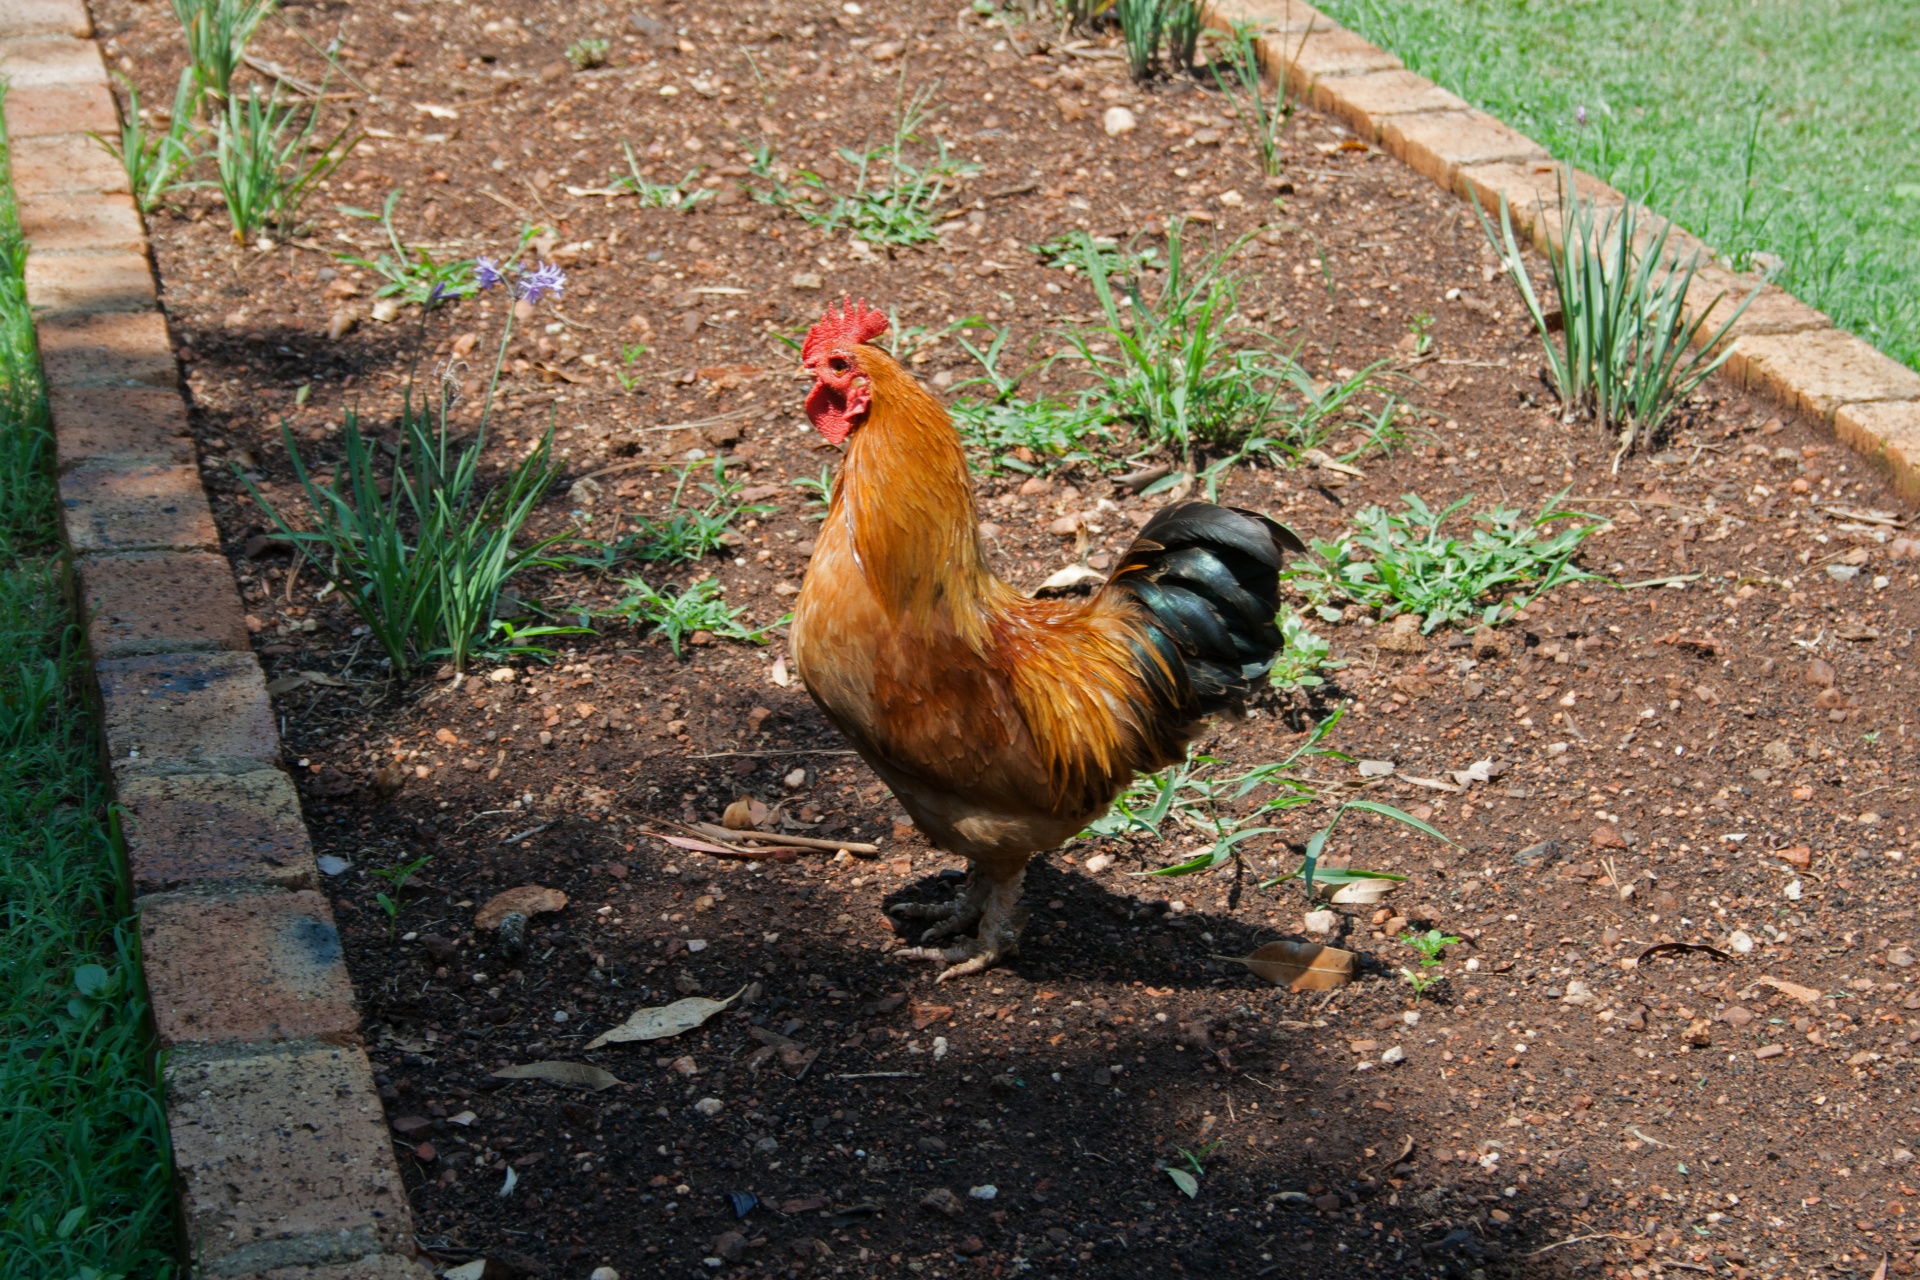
<point>410,274</point>
<point>629,353</point>
<point>1401,562</point>
<point>1188,1179</point>
<point>1428,947</point>
<point>396,877</point>
<point>698,608</point>
<point>585,55</point>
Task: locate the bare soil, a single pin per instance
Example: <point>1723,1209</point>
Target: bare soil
<point>1735,749</point>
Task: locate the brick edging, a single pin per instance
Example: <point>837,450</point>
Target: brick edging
<point>282,1160</point>
<point>1781,347</point>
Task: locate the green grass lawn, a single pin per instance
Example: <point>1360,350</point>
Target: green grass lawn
<point>84,1163</point>
<point>1769,129</point>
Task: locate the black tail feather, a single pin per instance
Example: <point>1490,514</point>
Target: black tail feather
<point>1209,577</point>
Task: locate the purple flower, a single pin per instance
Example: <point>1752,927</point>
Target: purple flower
<point>443,292</point>
<point>1580,116</point>
<point>545,278</point>
<point>486,272</point>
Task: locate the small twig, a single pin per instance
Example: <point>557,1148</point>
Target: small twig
<point>725,834</point>
<point>1654,1142</point>
<point>1019,190</point>
<point>505,203</point>
<point>530,831</point>
<point>878,1075</point>
<point>1598,1235</point>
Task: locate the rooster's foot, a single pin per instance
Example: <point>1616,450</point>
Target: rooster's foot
<point>1002,920</point>
<point>957,916</point>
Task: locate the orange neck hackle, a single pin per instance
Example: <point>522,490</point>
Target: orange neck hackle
<point>906,495</point>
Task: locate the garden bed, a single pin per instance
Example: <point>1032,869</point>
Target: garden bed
<point>1733,747</point>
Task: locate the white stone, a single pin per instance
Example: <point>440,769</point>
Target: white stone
<point>1118,120</point>
<point>1393,1054</point>
<point>987,1192</point>
<point>1099,862</point>
<point>1322,922</point>
<point>709,1107</point>
<point>1740,942</point>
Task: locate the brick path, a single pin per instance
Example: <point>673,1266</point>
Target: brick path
<point>284,1165</point>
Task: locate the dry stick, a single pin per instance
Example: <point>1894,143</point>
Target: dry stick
<point>797,842</point>
<point>1598,1235</point>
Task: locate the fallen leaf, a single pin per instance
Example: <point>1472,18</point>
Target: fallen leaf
<point>527,899</point>
<point>1805,995</point>
<point>1375,768</point>
<point>1185,1181</point>
<point>578,1073</point>
<point>1299,966</point>
<point>1363,891</point>
<point>925,1015</point>
<point>662,1021</point>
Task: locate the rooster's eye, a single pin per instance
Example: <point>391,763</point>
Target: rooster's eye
<point>837,364</point>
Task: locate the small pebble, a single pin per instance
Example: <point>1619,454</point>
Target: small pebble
<point>1118,120</point>
<point>709,1107</point>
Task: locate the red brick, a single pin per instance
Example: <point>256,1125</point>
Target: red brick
<point>160,602</point>
<point>81,223</point>
<point>1269,15</point>
<point>134,424</point>
<point>1533,192</point>
<point>57,163</point>
<point>33,110</point>
<point>114,349</point>
<point>283,1160</point>
<point>82,284</point>
<point>44,18</point>
<point>41,60</point>
<point>1328,51</point>
<point>122,508</point>
<point>1438,144</point>
<point>1773,311</point>
<point>1365,101</point>
<point>253,967</point>
<point>187,711</point>
<point>1818,370</point>
<point>1888,432</point>
<point>190,829</point>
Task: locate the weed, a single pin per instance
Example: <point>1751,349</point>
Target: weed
<point>1004,423</point>
<point>893,199</point>
<point>1302,656</point>
<point>1622,354</point>
<point>585,55</point>
<point>679,196</point>
<point>421,554</point>
<point>1420,329</point>
<point>1263,119</point>
<point>1180,26</point>
<point>217,34</point>
<point>629,354</point>
<point>1428,947</point>
<point>1218,806</point>
<point>1187,372</point>
<point>411,275</point>
<point>818,490</point>
<point>698,608</point>
<point>688,533</point>
<point>158,165</point>
<point>1188,1179</point>
<point>1065,253</point>
<point>267,164</point>
<point>396,877</point>
<point>1401,562</point>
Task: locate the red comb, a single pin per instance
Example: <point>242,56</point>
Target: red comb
<point>852,324</point>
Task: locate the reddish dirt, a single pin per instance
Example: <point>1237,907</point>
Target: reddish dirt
<point>1719,747</point>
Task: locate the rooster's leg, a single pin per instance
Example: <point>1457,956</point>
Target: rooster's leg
<point>1001,921</point>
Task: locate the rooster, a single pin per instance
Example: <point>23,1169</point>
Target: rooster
<point>1004,724</point>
